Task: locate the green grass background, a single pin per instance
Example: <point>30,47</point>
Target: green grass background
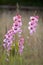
<point>33,46</point>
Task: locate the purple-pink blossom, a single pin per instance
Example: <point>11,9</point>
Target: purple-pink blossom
<point>8,40</point>
<point>9,36</point>
<point>17,23</point>
<point>21,45</point>
<point>33,24</point>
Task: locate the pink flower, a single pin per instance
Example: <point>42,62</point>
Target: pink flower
<point>33,24</point>
<point>21,45</point>
<point>33,18</point>
<point>21,49</point>
<point>16,28</point>
<point>8,40</point>
<point>17,24</point>
<point>15,18</point>
<point>20,24</point>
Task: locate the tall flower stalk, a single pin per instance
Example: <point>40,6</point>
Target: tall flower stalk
<point>9,41</point>
<point>33,24</point>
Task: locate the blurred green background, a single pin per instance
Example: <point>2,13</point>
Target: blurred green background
<point>33,46</point>
<point>22,2</point>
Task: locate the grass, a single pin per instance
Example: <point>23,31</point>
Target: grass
<point>33,46</point>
